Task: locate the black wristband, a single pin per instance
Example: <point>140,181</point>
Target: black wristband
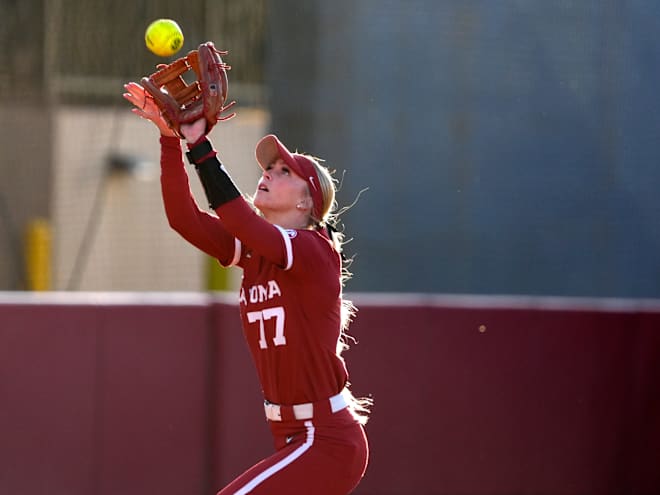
<point>218,186</point>
<point>199,151</point>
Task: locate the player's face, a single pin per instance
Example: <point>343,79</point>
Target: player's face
<point>279,189</point>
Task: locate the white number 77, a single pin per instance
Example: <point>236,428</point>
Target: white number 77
<point>266,314</point>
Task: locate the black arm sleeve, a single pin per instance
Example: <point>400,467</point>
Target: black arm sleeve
<point>217,184</point>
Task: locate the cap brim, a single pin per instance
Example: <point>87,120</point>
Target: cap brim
<point>269,149</point>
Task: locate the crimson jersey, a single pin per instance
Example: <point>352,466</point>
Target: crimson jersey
<point>290,297</point>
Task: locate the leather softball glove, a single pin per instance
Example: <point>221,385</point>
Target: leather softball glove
<point>183,103</point>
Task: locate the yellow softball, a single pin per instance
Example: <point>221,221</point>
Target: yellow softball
<point>164,37</point>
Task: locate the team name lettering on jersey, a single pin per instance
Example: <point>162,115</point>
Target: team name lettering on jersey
<point>260,293</point>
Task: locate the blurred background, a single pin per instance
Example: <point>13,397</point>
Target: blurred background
<point>80,205</point>
<point>507,147</point>
<point>501,161</point>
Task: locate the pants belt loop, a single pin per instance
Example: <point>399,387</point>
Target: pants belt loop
<point>337,403</point>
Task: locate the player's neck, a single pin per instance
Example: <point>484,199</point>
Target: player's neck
<point>287,220</point>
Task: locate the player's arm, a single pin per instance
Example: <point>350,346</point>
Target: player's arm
<point>202,230</point>
<point>196,226</point>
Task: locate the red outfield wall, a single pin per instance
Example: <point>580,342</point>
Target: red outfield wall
<point>145,393</point>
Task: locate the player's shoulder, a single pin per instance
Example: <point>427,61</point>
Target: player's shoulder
<point>314,258</point>
<point>311,242</point>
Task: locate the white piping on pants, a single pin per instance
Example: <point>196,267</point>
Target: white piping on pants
<point>281,464</point>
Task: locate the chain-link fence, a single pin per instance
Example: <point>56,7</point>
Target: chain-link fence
<point>62,117</point>
<point>79,51</point>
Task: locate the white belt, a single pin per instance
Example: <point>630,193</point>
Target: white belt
<point>305,411</point>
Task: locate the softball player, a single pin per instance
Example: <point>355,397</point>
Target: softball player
<point>292,310</point>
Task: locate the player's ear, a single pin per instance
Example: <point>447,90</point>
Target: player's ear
<point>304,203</point>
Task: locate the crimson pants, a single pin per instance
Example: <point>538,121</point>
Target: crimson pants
<point>321,456</point>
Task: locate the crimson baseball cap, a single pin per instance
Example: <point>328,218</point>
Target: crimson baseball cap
<point>270,148</point>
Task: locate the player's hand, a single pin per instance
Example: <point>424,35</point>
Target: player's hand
<point>194,131</point>
<point>146,107</point>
